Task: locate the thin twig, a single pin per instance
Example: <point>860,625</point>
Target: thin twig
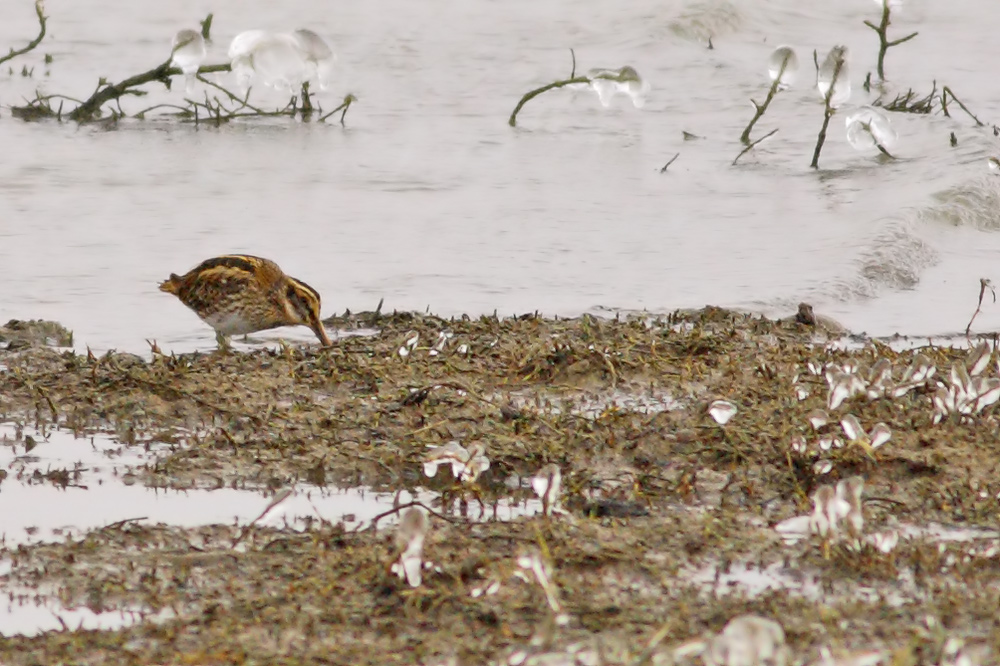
<point>984,284</point>
<point>751,146</point>
<point>121,523</point>
<point>40,11</point>
<point>345,105</point>
<point>667,165</point>
<point>278,499</point>
<point>944,105</point>
<point>384,514</point>
<point>242,101</point>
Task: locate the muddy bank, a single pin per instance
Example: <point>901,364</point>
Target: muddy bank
<point>669,515</point>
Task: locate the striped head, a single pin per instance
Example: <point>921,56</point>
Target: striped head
<point>302,305</point>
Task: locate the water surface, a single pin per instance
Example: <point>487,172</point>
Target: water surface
<point>428,199</point>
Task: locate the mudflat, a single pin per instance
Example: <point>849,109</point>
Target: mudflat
<point>666,528</point>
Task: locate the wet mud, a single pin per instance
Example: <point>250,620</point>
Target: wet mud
<point>666,523</point>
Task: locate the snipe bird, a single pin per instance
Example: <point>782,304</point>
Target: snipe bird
<point>238,294</point>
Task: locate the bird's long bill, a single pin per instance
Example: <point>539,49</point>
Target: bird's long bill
<point>317,326</point>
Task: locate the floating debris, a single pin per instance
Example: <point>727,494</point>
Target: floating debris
<point>410,536</point>
<point>722,411</point>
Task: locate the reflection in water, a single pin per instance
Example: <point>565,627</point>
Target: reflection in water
<point>101,487</point>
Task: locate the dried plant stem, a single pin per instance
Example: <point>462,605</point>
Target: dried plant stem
<point>751,146</point>
<point>279,497</point>
<point>883,39</point>
<point>344,106</point>
<point>828,111</point>
<point>945,92</point>
<point>667,165</point>
<point>42,18</point>
<point>984,284</point>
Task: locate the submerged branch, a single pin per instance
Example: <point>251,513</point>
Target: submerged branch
<point>945,92</point>
<point>752,145</point>
<point>760,109</point>
<point>42,18</point>
<point>345,105</point>
<point>512,121</point>
<point>667,165</point>
<point>828,111</point>
<point>110,92</point>
<point>573,78</point>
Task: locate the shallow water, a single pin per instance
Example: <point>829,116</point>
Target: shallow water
<point>102,490</point>
<point>428,199</point>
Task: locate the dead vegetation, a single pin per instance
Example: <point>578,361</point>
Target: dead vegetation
<point>662,500</point>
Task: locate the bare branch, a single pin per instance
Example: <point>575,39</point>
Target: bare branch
<point>528,96</point>
<point>348,100</point>
<point>42,18</point>
<point>667,165</point>
<point>751,146</point>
